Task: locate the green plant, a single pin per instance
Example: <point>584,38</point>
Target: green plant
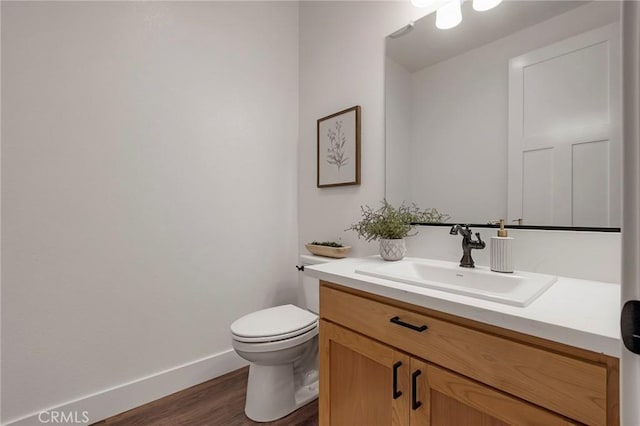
<point>392,223</point>
<point>327,243</point>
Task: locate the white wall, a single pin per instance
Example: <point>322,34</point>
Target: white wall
<point>460,118</point>
<point>584,255</point>
<point>149,192</point>
<point>341,64</point>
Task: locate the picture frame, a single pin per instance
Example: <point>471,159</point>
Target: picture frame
<point>338,162</point>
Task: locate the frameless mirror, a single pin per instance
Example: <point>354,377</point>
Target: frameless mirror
<point>515,114</point>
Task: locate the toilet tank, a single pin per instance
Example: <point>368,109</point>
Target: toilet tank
<point>310,285</point>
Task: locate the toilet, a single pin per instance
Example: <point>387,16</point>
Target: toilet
<point>281,343</point>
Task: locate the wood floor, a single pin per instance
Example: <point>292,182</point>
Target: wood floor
<point>218,402</point>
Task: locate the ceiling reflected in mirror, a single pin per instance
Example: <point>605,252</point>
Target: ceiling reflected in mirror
<point>513,114</point>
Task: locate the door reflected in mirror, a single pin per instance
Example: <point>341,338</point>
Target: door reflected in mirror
<point>515,113</point>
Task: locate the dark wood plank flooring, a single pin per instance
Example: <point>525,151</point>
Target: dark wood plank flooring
<point>218,402</point>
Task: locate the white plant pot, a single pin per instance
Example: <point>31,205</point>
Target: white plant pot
<point>392,249</point>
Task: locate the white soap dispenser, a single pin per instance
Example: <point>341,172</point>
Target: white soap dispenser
<point>502,251</point>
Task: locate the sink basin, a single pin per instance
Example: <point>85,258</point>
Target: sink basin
<point>517,289</point>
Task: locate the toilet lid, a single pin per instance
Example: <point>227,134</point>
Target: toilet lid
<point>273,322</point>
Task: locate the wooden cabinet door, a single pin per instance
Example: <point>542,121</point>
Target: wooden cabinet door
<point>362,382</point>
<point>442,398</point>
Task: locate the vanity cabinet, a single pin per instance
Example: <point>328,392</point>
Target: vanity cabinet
<point>384,362</point>
<point>360,374</point>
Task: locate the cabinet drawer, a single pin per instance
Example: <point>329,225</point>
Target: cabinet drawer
<point>566,385</point>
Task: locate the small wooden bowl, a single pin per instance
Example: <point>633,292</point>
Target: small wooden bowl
<point>327,251</point>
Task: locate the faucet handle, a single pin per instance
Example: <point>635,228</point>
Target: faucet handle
<point>478,237</point>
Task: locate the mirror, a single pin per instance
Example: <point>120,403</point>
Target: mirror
<point>515,114</point>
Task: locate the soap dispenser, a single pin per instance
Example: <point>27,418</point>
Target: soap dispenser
<point>502,251</point>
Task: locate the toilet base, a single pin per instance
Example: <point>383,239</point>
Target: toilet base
<point>271,392</point>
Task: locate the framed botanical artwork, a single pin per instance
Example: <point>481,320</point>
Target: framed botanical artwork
<point>339,148</point>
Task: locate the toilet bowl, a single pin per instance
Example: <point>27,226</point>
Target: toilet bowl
<point>281,343</point>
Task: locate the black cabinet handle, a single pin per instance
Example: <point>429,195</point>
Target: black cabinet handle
<point>396,320</point>
<point>415,404</point>
<point>396,392</point>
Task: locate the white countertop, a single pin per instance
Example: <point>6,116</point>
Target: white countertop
<point>580,313</point>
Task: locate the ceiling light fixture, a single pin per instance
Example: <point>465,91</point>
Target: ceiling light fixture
<point>449,15</point>
<point>482,5</point>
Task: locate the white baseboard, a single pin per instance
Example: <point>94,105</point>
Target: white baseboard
<point>126,396</point>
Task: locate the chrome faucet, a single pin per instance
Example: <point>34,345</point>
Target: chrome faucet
<point>467,244</point>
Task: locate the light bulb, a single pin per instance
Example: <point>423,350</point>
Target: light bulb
<point>449,15</point>
<point>482,5</point>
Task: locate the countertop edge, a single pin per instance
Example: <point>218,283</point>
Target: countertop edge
<point>597,343</point>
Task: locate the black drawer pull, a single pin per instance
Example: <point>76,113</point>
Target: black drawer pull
<point>415,404</point>
<point>396,392</point>
<point>396,320</point>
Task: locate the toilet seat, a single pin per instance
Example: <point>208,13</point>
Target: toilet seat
<point>273,324</point>
<point>275,345</point>
<point>276,337</point>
